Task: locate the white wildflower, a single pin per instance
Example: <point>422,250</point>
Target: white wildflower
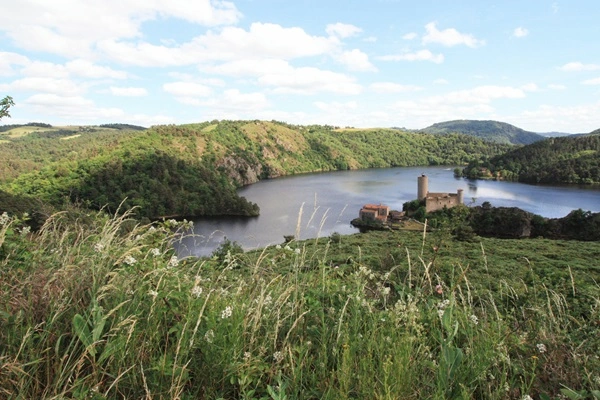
<point>173,262</point>
<point>297,251</point>
<point>153,293</point>
<point>209,336</point>
<point>129,260</point>
<point>440,313</point>
<point>247,356</point>
<point>226,313</point>
<point>288,248</point>
<point>25,230</point>
<point>278,247</point>
<point>151,229</point>
<point>385,291</point>
<point>173,222</point>
<point>527,397</point>
<point>155,252</point>
<point>98,247</point>
<point>541,347</point>
<point>474,319</point>
<point>196,291</point>
<point>4,218</point>
<point>278,357</point>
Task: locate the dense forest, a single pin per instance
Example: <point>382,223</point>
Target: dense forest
<point>573,159</point>
<point>194,170</point>
<point>494,131</point>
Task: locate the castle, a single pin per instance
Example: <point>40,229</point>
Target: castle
<point>437,201</point>
<point>433,202</point>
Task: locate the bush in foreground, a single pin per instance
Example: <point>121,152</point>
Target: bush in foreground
<point>105,309</point>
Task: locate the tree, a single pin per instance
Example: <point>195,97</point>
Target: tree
<point>5,104</point>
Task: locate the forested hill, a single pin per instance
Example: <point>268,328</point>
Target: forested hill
<point>495,131</point>
<point>574,159</point>
<point>193,170</point>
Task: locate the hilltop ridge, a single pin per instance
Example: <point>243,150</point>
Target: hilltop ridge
<point>495,131</point>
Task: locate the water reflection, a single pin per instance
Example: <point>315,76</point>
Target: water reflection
<point>316,205</point>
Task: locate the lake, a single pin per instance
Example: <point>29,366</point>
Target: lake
<point>317,205</point>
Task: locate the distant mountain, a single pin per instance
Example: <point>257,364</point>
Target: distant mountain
<point>493,131</point>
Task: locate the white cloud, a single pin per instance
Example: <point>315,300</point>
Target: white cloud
<point>187,89</point>
<point>8,60</point>
<point>479,94</point>
<point>86,69</point>
<point>62,87</point>
<point>530,87</point>
<point>356,60</point>
<point>449,37</point>
<point>441,81</point>
<point>128,91</point>
<point>247,102</point>
<point>284,78</point>
<point>342,30</point>
<point>577,67</point>
<point>231,43</point>
<point>310,80</point>
<point>410,36</point>
<point>421,55</point>
<point>391,87</point>
<point>561,118</point>
<point>71,108</point>
<point>555,86</point>
<point>520,32</point>
<point>71,27</point>
<point>595,81</point>
<point>336,107</point>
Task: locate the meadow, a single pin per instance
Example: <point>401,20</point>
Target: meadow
<point>100,307</point>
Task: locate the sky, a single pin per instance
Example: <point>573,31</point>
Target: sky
<point>360,63</point>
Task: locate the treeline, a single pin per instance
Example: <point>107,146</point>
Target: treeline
<point>511,223</point>
<point>554,160</point>
<point>194,170</point>
<point>5,128</point>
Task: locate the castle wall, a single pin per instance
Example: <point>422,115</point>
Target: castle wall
<point>437,201</point>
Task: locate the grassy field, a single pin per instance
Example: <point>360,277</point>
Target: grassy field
<point>98,307</point>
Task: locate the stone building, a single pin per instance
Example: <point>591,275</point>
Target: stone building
<point>437,201</point>
<point>374,212</point>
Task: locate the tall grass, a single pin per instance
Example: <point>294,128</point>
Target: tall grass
<point>100,307</point>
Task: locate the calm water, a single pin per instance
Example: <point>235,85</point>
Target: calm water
<point>316,205</point>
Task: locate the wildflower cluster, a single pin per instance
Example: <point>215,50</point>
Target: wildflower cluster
<point>227,312</point>
<point>173,262</point>
<point>4,219</point>
<point>441,307</point>
<point>541,347</point>
<point>278,357</point>
<point>130,260</point>
<point>196,291</point>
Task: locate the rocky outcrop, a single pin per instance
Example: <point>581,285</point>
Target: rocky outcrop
<point>241,171</point>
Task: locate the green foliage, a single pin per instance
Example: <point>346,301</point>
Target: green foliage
<point>556,160</point>
<point>5,104</point>
<point>100,310</point>
<point>193,170</point>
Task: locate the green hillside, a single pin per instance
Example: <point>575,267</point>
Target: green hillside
<point>193,170</point>
<point>573,159</point>
<point>494,131</point>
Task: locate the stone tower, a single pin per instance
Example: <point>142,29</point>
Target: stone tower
<point>422,187</point>
<point>461,196</point>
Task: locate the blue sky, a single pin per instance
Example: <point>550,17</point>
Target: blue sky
<point>376,63</point>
